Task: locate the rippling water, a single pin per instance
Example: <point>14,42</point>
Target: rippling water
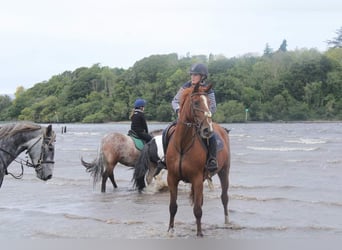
<point>285,182</point>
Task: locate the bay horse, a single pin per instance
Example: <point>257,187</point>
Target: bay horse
<point>37,140</point>
<point>114,148</point>
<point>186,153</point>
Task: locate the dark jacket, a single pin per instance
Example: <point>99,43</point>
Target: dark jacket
<point>138,123</point>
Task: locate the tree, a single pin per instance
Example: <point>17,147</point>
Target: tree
<point>268,50</point>
<point>283,46</point>
<point>336,42</point>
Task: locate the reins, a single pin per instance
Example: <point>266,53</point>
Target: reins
<point>20,161</point>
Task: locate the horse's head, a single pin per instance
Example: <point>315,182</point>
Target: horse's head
<point>41,151</point>
<point>194,109</point>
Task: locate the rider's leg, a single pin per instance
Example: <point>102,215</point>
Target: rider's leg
<point>212,150</point>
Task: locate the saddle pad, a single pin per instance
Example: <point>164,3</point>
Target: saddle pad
<point>139,144</point>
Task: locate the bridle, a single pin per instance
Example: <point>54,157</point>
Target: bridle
<point>47,141</point>
<point>207,114</point>
<point>197,123</point>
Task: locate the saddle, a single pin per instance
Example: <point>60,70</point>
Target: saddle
<point>139,143</point>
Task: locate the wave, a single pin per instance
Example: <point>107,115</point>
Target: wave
<point>334,161</point>
<point>282,149</point>
<point>283,199</point>
<point>307,141</point>
<point>288,187</point>
<point>244,161</point>
<point>84,133</point>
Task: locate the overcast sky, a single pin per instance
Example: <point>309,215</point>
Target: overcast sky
<point>42,38</point>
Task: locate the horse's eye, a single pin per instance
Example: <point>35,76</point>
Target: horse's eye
<point>197,103</point>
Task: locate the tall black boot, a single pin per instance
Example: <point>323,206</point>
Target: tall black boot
<point>212,150</point>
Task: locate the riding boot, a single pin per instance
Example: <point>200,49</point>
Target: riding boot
<point>211,159</point>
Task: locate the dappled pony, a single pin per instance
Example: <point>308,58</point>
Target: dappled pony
<point>186,153</point>
<point>37,140</point>
<point>114,148</point>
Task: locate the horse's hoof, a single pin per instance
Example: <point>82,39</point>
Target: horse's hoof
<point>226,219</point>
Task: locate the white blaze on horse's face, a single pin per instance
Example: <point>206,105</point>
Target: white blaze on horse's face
<point>206,132</point>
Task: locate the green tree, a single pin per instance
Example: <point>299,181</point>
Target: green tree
<point>283,46</point>
<point>336,42</point>
<point>268,50</point>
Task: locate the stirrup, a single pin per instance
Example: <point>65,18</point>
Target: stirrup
<point>212,165</point>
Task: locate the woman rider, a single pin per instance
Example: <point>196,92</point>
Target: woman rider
<point>138,121</point>
<point>198,74</point>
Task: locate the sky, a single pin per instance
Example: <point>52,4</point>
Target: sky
<point>43,38</point>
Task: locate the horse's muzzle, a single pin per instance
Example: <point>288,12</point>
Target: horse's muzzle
<point>47,177</point>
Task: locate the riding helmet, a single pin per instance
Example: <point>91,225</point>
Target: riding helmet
<point>139,103</point>
<point>199,68</point>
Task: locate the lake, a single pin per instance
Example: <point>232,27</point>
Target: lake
<point>285,183</point>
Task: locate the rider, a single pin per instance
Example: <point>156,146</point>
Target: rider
<point>138,121</point>
<point>199,73</point>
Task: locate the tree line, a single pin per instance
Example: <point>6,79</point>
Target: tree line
<point>303,84</point>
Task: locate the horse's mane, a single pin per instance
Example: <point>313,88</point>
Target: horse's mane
<point>14,128</point>
<point>184,96</point>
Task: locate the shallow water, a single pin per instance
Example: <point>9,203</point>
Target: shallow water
<point>285,182</point>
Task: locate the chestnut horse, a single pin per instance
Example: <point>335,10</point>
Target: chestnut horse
<point>186,154</point>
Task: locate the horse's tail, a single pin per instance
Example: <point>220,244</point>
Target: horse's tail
<point>95,168</point>
<point>141,167</point>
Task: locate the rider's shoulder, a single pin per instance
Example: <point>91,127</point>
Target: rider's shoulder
<point>186,85</point>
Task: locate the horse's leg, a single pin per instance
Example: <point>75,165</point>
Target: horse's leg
<point>110,165</point>
<point>197,191</point>
<point>173,187</point>
<point>223,175</point>
<point>104,180</point>
<point>1,177</point>
<point>111,177</point>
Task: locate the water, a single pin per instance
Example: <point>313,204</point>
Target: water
<point>285,183</point>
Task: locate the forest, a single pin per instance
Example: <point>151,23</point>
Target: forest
<point>279,85</point>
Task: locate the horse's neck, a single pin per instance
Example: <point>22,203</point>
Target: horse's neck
<point>12,146</point>
<point>184,135</point>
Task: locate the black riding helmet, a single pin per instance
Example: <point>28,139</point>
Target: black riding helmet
<point>199,68</point>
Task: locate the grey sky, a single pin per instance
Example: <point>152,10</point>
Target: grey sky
<point>42,38</point>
